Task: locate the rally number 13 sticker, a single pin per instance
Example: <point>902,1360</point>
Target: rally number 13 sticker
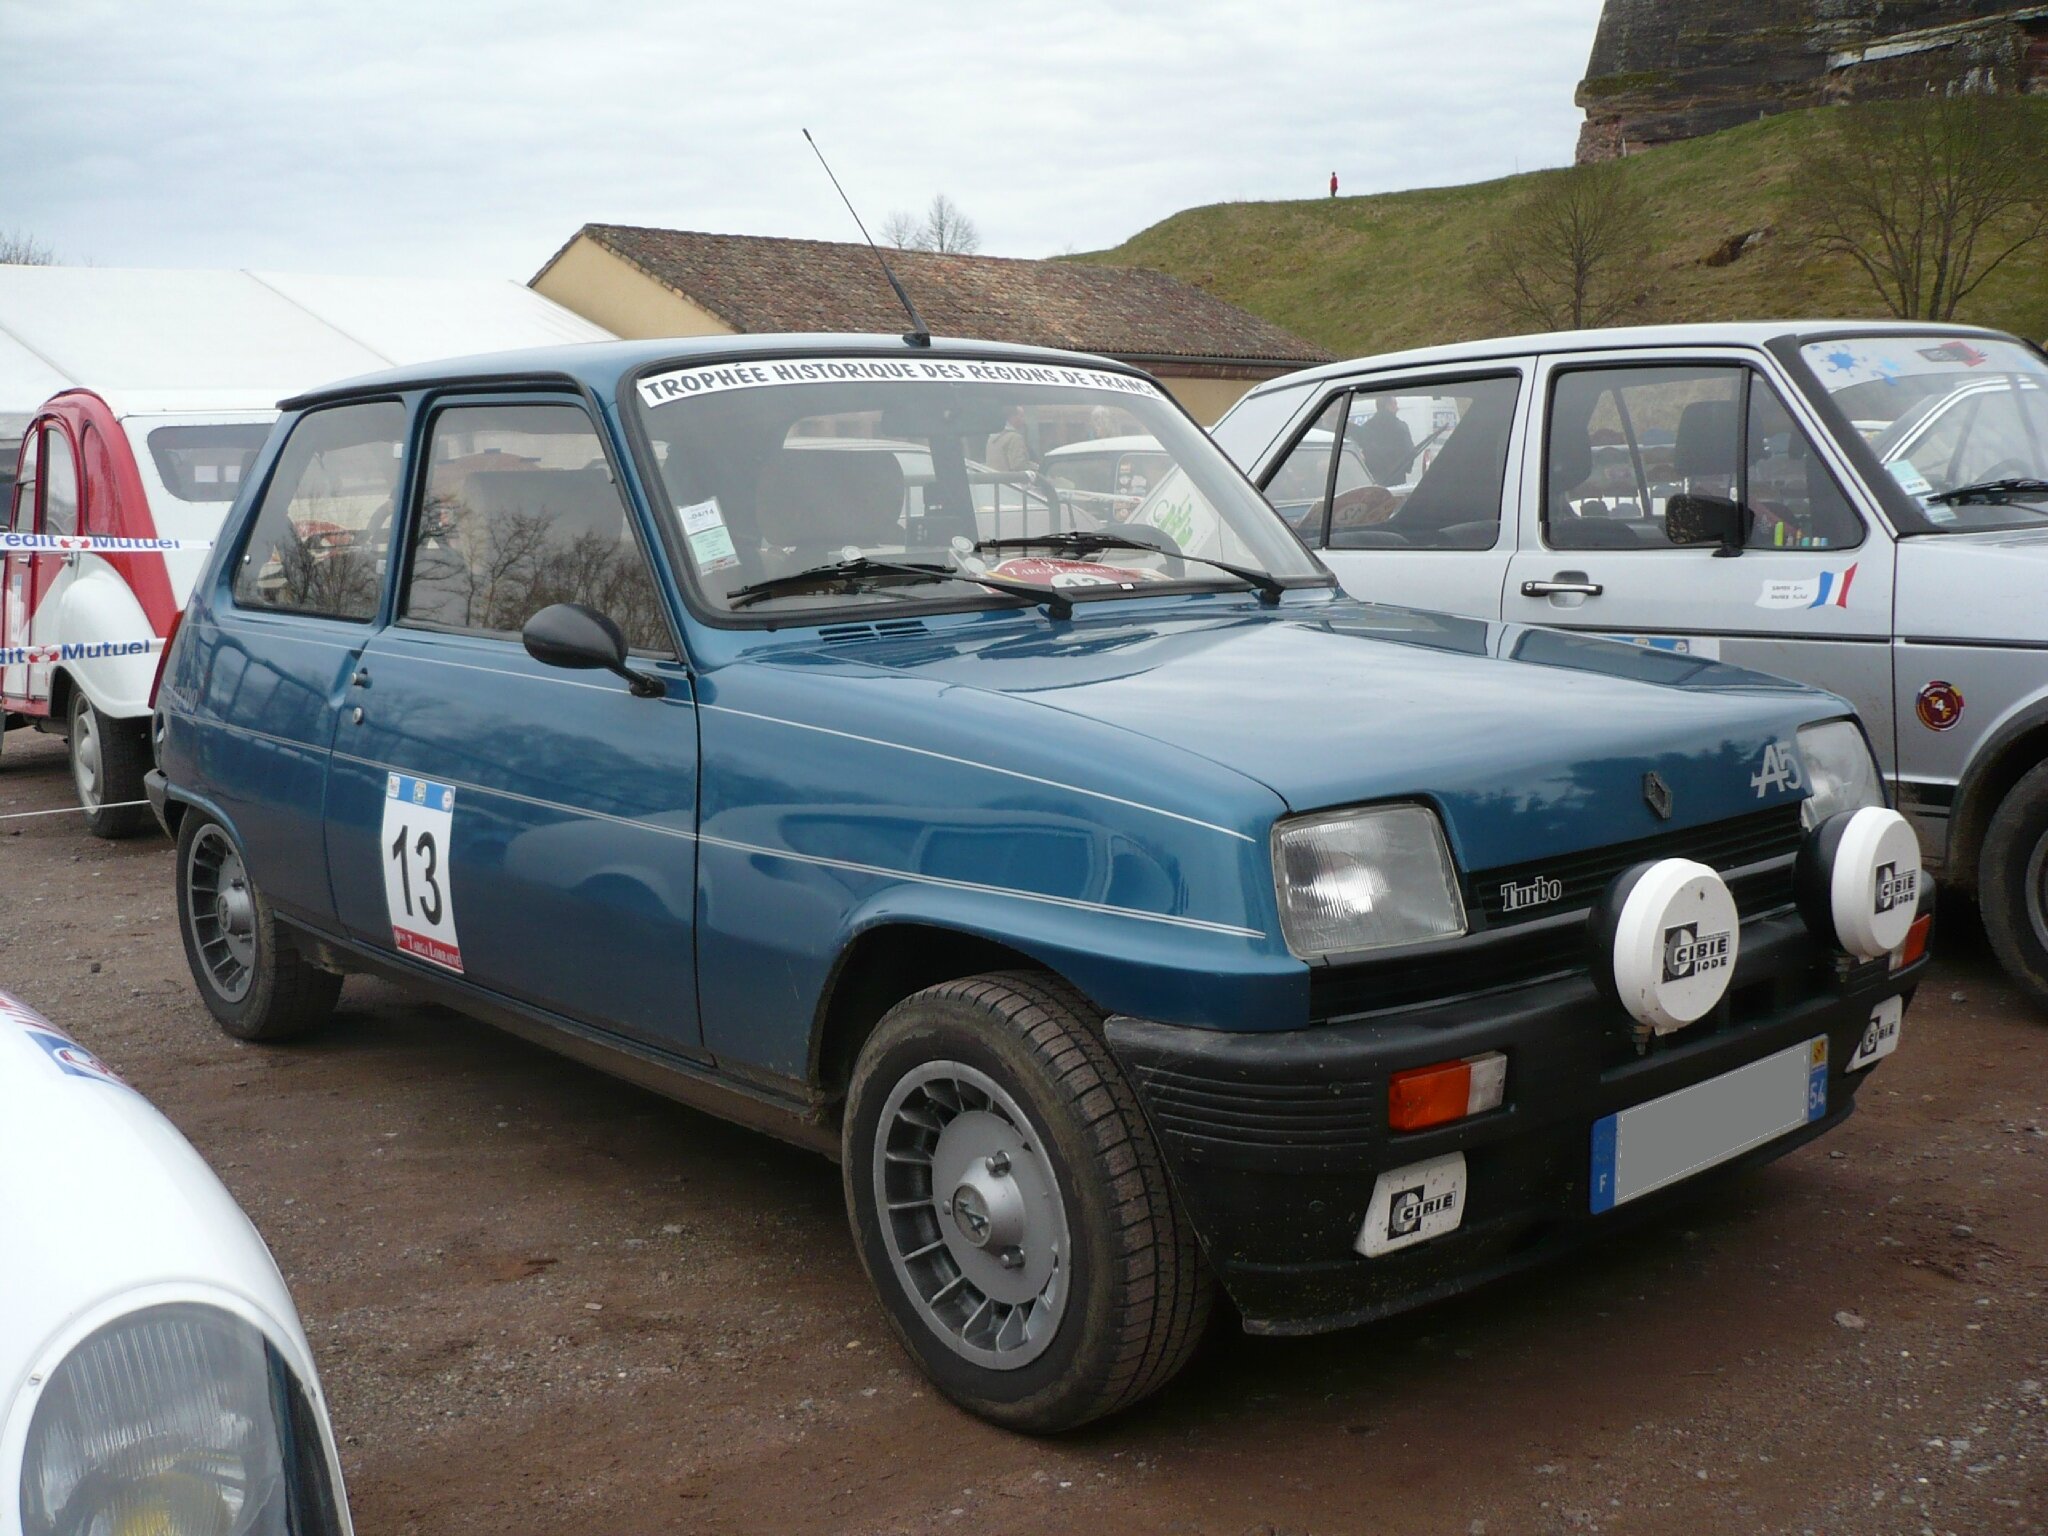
<point>419,823</point>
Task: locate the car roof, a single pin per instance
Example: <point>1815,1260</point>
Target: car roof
<point>602,364</point>
<point>1727,333</point>
<point>1136,442</point>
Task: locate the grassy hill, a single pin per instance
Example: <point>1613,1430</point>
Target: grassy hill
<point>1372,274</point>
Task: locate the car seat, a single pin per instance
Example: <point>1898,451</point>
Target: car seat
<point>814,502</point>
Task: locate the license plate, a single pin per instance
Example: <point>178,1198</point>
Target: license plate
<point>1647,1146</point>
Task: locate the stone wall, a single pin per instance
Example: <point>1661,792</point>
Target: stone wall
<point>1674,69</point>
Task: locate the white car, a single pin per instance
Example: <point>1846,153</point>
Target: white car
<point>1859,505</point>
<point>154,1377</point>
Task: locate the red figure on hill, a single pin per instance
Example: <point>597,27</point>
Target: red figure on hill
<point>1333,183</point>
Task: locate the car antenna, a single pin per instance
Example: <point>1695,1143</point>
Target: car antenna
<point>920,334</point>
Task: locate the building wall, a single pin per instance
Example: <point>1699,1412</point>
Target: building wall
<point>1206,399</point>
<point>617,295</point>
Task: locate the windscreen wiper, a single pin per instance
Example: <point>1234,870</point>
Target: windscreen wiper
<point>1080,542</point>
<point>851,575</point>
<point>2016,487</point>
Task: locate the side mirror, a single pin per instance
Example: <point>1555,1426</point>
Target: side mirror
<point>582,639</point>
<point>1707,520</point>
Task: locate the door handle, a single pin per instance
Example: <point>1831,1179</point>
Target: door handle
<point>1566,583</point>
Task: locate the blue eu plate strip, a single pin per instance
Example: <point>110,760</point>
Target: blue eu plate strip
<point>1603,1164</point>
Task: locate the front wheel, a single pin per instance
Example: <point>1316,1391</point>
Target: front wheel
<point>253,980</point>
<point>1011,1209</point>
<point>2012,883</point>
<point>108,759</point>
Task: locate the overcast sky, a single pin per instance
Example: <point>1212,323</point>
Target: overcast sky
<point>475,136</point>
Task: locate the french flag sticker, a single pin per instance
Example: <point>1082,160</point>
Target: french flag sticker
<point>1834,589</point>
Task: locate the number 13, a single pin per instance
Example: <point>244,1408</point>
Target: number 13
<point>425,849</point>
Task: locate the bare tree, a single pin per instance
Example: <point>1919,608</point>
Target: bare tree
<point>943,228</point>
<point>1573,253</point>
<point>946,228</point>
<point>1927,197</point>
<point>18,249</point>
<point>901,230</point>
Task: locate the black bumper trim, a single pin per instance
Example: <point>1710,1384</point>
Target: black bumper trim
<point>1274,1139</point>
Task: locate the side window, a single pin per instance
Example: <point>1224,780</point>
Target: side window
<point>519,512</point>
<point>1299,486</point>
<point>25,487</point>
<point>319,538</point>
<point>1423,465</point>
<point>1793,500</point>
<point>60,484</point>
<point>1623,441</point>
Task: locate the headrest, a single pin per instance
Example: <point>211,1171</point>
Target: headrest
<point>574,502</point>
<point>827,497</point>
<point>1706,439</point>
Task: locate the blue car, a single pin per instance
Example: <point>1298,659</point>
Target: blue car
<point>1129,911</point>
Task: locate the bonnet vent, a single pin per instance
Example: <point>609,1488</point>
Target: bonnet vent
<point>853,634</point>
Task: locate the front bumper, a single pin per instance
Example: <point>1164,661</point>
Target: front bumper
<point>1275,1139</point>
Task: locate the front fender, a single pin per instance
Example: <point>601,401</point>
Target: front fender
<point>2015,741</point>
<point>1154,969</point>
<point>109,644</point>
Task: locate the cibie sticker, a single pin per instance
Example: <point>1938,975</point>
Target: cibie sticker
<point>767,373</point>
<point>1413,1204</point>
<point>1830,589</point>
<point>418,831</point>
<point>1880,1035</point>
<point>709,539</point>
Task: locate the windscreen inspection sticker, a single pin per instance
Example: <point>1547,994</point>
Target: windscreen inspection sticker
<point>717,378</point>
<point>710,540</point>
<point>419,827</point>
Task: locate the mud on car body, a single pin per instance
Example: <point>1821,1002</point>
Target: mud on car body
<point>1126,909</point>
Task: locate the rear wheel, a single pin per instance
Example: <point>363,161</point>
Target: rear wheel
<point>2012,883</point>
<point>1011,1209</point>
<point>108,758</point>
<point>254,982</point>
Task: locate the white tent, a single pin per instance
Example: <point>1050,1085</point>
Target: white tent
<point>195,341</point>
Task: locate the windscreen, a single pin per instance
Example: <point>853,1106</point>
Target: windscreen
<point>792,482</point>
<point>1960,423</point>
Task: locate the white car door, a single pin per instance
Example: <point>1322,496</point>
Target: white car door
<point>1637,450</point>
<point>1406,484</point>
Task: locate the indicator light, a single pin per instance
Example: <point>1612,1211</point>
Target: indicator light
<point>1421,1097</point>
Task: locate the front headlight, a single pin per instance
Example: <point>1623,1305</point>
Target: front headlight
<point>176,1420</point>
<point>1841,775</point>
<point>1364,880</point>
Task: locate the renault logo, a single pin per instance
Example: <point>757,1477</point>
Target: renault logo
<point>1657,795</point>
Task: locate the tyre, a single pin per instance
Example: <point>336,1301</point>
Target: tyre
<point>251,977</point>
<point>2012,883</point>
<point>1011,1209</point>
<point>108,759</point>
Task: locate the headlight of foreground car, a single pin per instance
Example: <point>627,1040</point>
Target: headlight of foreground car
<point>1841,775</point>
<point>1365,880</point>
<point>176,1420</point>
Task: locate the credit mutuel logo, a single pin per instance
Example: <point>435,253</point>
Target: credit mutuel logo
<point>1531,893</point>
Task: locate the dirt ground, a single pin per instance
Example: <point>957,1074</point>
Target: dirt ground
<point>545,1301</point>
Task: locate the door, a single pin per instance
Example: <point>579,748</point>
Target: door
<point>278,646</point>
<point>530,829</point>
<point>17,571</point>
<point>1406,487</point>
<point>36,582</point>
<point>1634,458</point>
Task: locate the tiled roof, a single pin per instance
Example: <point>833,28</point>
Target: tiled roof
<point>757,283</point>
